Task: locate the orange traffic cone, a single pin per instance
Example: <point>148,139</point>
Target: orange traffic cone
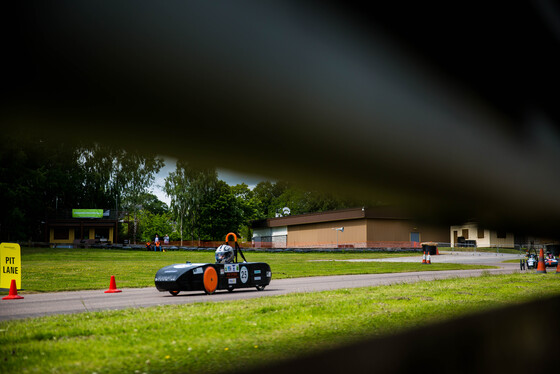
<point>541,268</point>
<point>558,267</point>
<point>424,258</point>
<point>112,286</point>
<point>13,292</point>
<point>429,260</point>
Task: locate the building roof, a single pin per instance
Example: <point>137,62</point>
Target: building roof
<point>384,212</point>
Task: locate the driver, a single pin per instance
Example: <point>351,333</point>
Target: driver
<point>224,254</point>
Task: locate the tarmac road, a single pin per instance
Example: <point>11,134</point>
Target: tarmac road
<point>35,305</point>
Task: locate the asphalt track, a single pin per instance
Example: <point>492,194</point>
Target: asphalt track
<point>36,305</point>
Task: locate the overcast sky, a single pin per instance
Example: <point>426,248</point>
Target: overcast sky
<point>230,177</point>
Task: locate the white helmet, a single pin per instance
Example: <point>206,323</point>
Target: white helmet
<point>224,254</point>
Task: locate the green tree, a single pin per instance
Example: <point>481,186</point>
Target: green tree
<point>41,177</point>
<point>152,224</point>
<point>271,198</point>
<point>37,178</point>
<point>205,207</point>
<point>249,205</point>
<point>266,193</point>
<point>152,204</point>
<point>221,213</point>
<point>301,201</point>
<point>187,187</point>
<point>175,188</point>
<point>117,176</point>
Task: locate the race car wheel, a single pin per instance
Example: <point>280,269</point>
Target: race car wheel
<point>260,288</point>
<point>230,289</point>
<point>174,293</point>
<point>210,280</point>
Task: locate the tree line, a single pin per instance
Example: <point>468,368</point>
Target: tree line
<point>207,208</point>
<point>40,177</point>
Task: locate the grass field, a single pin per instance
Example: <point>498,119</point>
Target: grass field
<point>482,249</point>
<point>224,336</point>
<point>50,270</point>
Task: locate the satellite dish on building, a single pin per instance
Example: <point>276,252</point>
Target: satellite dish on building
<point>286,211</point>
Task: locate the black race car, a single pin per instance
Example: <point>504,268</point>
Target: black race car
<point>225,274</point>
<point>532,261</point>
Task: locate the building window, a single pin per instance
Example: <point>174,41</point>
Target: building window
<point>61,233</point>
<point>77,233</point>
<point>86,233</point>
<point>501,234</point>
<point>102,233</point>
<point>480,233</point>
<point>465,233</point>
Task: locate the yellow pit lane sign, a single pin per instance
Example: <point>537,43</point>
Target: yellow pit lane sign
<point>10,265</point>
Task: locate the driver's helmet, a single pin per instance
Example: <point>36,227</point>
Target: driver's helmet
<point>224,254</point>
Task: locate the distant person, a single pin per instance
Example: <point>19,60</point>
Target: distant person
<point>166,239</point>
<point>156,242</point>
